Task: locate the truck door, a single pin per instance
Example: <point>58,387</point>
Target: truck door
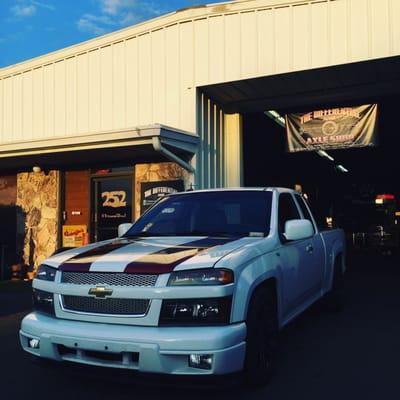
<point>302,260</point>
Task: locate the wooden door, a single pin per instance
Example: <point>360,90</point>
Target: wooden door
<point>76,202</point>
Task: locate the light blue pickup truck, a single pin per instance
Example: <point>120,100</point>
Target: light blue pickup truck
<point>199,285</point>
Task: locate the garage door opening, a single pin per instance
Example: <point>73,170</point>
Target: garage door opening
<point>334,193</point>
<point>360,197</point>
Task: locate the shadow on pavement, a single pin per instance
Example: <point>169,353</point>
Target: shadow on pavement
<point>352,354</point>
<point>15,297</point>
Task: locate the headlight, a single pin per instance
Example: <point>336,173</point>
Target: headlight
<point>216,311</point>
<point>43,301</point>
<point>197,277</point>
<point>46,273</point>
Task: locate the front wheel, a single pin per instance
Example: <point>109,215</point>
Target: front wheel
<point>262,331</point>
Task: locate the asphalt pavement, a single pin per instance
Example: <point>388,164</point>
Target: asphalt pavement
<point>348,355</point>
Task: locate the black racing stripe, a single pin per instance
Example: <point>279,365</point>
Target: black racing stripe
<point>165,260</point>
<point>83,261</point>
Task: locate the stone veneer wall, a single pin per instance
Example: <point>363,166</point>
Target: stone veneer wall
<point>38,197</point>
<point>165,171</point>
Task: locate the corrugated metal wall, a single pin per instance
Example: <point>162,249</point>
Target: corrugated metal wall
<point>210,159</point>
<point>149,73</point>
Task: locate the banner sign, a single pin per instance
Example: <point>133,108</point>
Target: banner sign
<point>335,128</point>
<point>152,191</point>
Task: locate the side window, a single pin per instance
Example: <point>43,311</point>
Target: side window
<point>286,210</point>
<point>304,209</point>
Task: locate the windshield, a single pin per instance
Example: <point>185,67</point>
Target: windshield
<point>225,213</point>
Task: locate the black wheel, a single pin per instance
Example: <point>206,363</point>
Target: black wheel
<point>262,332</point>
<point>334,299</point>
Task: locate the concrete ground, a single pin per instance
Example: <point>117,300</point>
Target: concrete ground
<point>353,354</point>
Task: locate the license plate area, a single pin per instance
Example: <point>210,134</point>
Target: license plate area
<point>124,359</point>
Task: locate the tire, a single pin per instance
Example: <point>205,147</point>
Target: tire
<point>262,332</point>
<point>334,299</point>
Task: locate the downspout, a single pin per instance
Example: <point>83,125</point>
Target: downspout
<point>157,145</point>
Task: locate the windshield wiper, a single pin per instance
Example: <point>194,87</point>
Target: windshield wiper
<point>203,233</point>
<point>148,234</point>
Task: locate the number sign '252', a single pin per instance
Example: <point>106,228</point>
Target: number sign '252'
<point>114,199</point>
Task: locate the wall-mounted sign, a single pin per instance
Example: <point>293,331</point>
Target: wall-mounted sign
<point>74,235</point>
<point>334,128</point>
<point>151,191</point>
<point>114,199</point>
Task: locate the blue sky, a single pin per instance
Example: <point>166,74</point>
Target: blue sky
<point>29,28</point>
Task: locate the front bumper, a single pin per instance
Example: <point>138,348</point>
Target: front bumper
<point>145,349</point>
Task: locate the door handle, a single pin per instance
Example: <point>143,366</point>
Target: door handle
<point>309,248</point>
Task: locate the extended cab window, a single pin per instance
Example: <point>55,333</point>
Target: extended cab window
<point>287,210</point>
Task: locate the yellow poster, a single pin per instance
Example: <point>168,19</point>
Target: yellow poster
<point>74,235</point>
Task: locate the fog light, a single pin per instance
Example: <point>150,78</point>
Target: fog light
<point>202,361</point>
<point>34,343</point>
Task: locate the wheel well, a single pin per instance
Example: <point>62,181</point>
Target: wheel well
<point>269,286</point>
<point>338,262</point>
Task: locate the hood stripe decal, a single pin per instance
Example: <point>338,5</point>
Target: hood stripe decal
<point>117,260</point>
<point>158,257</point>
<point>166,260</point>
<point>83,261</point>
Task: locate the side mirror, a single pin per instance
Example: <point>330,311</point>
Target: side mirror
<point>297,229</point>
<point>123,228</point>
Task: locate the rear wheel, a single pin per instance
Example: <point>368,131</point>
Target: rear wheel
<point>262,331</point>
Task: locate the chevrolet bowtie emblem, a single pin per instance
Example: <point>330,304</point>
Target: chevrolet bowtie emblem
<point>100,291</point>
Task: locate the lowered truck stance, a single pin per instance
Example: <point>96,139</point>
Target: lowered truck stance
<point>199,285</point>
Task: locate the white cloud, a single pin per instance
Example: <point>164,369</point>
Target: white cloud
<point>129,18</point>
<point>101,19</point>
<point>28,8</point>
<point>114,14</point>
<point>95,24</point>
<point>23,10</point>
<point>43,5</point>
<point>114,7</point>
<point>86,25</point>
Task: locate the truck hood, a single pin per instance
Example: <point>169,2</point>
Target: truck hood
<point>153,255</point>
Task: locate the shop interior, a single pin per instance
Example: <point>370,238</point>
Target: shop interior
<point>344,186</point>
<point>355,189</point>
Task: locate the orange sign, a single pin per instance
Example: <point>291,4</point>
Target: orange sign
<point>74,235</point>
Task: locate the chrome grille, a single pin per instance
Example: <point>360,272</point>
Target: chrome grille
<point>110,306</point>
<point>108,278</point>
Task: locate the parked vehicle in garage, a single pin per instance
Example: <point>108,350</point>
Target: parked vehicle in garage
<point>199,285</point>
<point>383,232</point>
<point>374,224</point>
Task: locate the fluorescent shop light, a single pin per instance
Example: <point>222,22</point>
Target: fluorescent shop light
<point>341,168</point>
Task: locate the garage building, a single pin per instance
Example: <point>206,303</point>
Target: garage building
<point>91,133</point>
